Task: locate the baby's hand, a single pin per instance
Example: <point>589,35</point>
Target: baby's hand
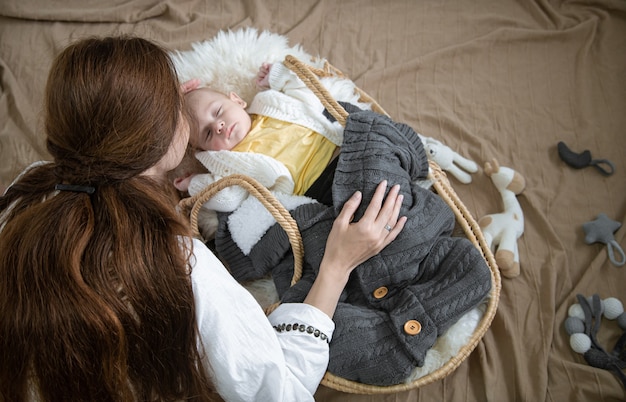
<point>263,76</point>
<point>190,85</point>
<point>182,183</point>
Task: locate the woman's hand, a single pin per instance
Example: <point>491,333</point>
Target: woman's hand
<point>352,243</point>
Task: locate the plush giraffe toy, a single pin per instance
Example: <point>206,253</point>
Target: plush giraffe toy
<point>502,230</point>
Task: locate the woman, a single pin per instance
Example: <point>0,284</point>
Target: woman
<point>104,295</point>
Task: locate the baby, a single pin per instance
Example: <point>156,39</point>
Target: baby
<point>222,121</point>
<point>284,125</point>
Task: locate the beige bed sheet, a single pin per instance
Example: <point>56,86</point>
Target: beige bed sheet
<point>489,78</point>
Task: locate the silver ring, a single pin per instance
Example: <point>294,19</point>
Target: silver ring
<point>388,228</point>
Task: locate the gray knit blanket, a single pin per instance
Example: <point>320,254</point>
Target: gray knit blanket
<point>431,276</point>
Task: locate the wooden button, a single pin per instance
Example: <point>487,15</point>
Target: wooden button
<point>381,292</point>
<point>412,327</point>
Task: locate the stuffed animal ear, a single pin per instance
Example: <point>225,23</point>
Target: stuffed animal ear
<point>491,167</point>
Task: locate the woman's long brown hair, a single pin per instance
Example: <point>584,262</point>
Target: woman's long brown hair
<point>96,300</point>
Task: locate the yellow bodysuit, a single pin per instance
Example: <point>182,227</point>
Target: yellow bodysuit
<point>304,152</point>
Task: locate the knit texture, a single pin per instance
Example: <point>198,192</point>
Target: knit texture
<point>431,277</point>
<point>266,170</point>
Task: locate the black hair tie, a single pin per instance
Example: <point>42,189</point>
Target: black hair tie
<point>75,188</point>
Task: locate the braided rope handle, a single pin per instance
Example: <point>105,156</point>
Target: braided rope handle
<point>310,79</point>
<point>278,211</point>
<point>309,75</point>
<point>330,70</point>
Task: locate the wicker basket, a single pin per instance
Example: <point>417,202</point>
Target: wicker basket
<point>441,185</point>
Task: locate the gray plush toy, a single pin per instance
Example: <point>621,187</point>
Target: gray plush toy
<point>601,230</point>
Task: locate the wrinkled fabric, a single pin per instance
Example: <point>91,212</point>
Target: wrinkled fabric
<point>489,78</point>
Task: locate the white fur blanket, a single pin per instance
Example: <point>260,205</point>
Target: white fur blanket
<point>230,60</point>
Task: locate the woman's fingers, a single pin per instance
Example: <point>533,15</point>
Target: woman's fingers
<point>384,215</point>
<point>389,216</point>
<point>349,208</point>
<point>395,229</point>
<point>374,208</point>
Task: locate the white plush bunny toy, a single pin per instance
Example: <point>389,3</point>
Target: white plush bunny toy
<point>450,161</point>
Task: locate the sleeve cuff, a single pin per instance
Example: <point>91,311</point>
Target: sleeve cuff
<point>302,313</point>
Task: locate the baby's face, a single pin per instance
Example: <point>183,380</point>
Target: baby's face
<point>222,120</point>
